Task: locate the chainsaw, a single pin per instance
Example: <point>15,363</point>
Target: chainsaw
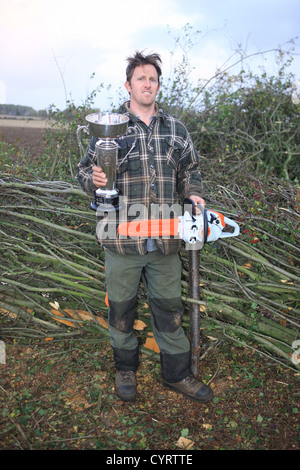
<point>197,225</point>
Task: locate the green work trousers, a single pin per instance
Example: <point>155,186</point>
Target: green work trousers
<point>161,275</point>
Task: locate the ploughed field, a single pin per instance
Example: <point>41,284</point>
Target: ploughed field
<point>24,134</point>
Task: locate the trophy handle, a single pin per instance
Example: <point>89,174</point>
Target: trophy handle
<point>129,129</point>
<point>78,135</point>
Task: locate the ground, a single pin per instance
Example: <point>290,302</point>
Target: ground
<point>23,134</point>
<point>60,394</point>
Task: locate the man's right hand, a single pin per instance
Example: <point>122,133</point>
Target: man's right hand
<point>99,178</point>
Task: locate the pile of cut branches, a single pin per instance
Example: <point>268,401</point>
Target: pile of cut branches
<point>52,275</point>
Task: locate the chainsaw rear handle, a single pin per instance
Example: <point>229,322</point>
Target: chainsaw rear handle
<point>193,210</point>
<point>214,222</point>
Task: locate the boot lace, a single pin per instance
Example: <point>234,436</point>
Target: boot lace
<point>126,376</point>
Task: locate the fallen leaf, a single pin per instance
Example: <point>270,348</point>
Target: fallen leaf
<point>233,424</point>
<point>8,313</point>
<point>75,399</point>
<point>54,305</point>
<point>184,443</point>
<point>139,325</point>
<point>247,265</point>
<point>151,343</point>
<point>207,426</point>
<point>283,322</point>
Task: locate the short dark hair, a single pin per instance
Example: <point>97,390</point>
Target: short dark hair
<point>141,59</point>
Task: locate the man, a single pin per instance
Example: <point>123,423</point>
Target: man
<point>161,170</point>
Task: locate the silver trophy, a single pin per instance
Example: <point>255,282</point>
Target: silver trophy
<point>107,127</point>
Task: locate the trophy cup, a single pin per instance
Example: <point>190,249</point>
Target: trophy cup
<point>107,127</point>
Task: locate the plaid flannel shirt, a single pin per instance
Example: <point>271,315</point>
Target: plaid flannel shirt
<point>161,169</point>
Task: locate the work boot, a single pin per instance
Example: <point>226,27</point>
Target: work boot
<point>192,388</point>
<point>126,385</point>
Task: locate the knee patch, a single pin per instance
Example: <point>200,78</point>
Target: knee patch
<point>167,314</point>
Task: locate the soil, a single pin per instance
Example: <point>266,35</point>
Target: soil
<point>60,394</point>
<point>24,136</point>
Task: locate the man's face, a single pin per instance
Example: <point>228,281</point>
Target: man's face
<point>143,87</point>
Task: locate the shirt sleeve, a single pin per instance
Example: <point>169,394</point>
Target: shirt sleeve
<point>189,180</point>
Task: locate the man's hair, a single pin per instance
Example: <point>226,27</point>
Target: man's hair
<point>140,59</point>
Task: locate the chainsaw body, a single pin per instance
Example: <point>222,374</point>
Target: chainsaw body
<point>205,227</point>
<point>200,227</point>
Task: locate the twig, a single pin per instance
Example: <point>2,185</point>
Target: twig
<point>22,433</point>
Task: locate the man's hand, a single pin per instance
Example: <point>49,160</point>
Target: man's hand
<point>99,178</point>
<point>197,200</point>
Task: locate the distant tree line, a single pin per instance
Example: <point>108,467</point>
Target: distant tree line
<point>70,113</point>
<point>19,110</point>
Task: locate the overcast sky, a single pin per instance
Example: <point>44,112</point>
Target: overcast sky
<point>45,40</point>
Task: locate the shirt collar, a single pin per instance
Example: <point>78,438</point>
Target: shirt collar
<point>159,112</point>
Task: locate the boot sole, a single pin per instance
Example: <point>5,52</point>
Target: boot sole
<point>129,398</point>
<point>126,399</point>
<point>191,397</point>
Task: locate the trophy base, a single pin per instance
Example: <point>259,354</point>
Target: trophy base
<point>106,200</point>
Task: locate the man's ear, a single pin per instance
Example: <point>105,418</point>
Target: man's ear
<point>128,87</point>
